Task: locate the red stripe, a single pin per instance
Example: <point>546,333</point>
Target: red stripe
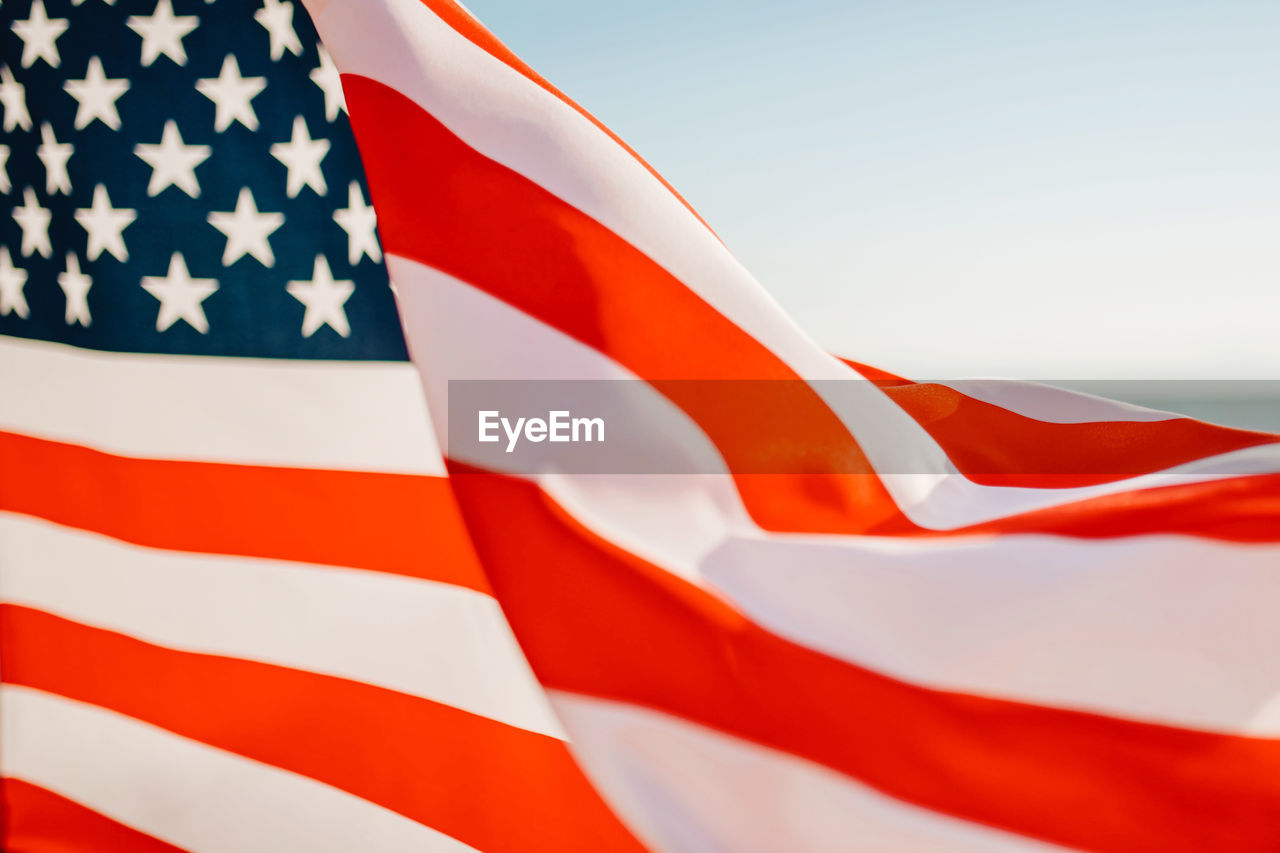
<point>881,378</point>
<point>490,785</point>
<point>596,620</point>
<point>562,267</point>
<point>39,821</point>
<point>394,523</point>
<point>1235,509</point>
<point>473,31</point>
<point>996,447</point>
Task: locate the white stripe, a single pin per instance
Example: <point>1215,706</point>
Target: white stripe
<point>361,416</point>
<point>429,639</point>
<point>1054,405</point>
<point>1163,629</point>
<point>514,121</point>
<point>185,792</point>
<point>671,519</point>
<point>507,117</point>
<point>1082,624</point>
<point>684,787</point>
<point>441,314</point>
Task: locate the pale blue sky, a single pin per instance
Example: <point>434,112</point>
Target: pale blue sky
<point>1037,189</point>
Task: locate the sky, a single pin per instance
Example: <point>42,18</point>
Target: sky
<point>1028,189</point>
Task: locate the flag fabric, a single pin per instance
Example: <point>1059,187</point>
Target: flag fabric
<point>238,609</point>
<point>244,608</point>
<point>988,616</point>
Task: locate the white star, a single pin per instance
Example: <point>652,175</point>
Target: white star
<point>38,34</point>
<point>231,95</point>
<point>326,76</point>
<point>34,222</point>
<point>13,96</point>
<point>54,155</point>
<point>105,225</point>
<point>180,295</point>
<point>12,280</point>
<point>277,17</point>
<point>5,186</point>
<point>301,155</point>
<point>162,33</point>
<point>324,299</point>
<point>172,163</point>
<point>75,285</point>
<point>247,230</point>
<point>97,96</point>
<point>359,221</point>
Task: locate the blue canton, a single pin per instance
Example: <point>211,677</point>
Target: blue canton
<point>179,176</point>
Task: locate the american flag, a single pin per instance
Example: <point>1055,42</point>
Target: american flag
<point>248,604</point>
<point>239,608</point>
